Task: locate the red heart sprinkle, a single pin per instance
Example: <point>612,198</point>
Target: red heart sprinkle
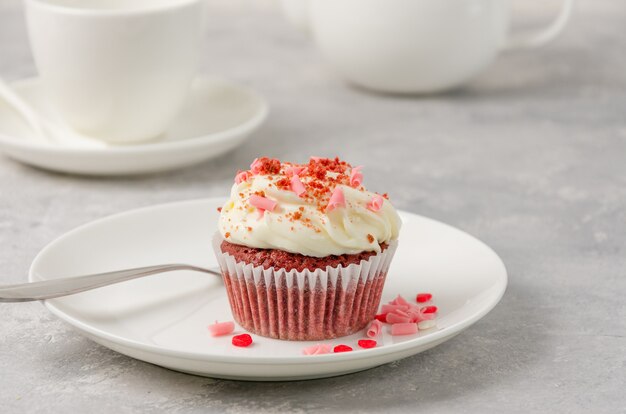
<point>423,297</point>
<point>382,317</point>
<point>367,343</point>
<point>429,309</point>
<point>342,348</point>
<point>242,340</point>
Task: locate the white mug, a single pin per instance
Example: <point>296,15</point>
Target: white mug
<point>117,70</point>
<point>414,46</point>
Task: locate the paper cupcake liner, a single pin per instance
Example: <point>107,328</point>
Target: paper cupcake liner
<point>307,305</point>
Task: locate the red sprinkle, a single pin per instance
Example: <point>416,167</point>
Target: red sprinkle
<point>423,297</point>
<point>242,340</point>
<point>429,309</point>
<point>367,343</point>
<point>219,209</point>
<point>381,317</point>
<point>342,348</point>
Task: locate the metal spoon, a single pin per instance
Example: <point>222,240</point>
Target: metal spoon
<point>55,288</point>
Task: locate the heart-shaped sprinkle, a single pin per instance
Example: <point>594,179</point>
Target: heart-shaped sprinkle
<point>242,340</point>
<point>423,297</point>
<point>367,343</point>
<point>342,348</point>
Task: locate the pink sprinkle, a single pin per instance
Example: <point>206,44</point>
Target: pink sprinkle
<point>262,202</point>
<point>390,308</point>
<point>396,317</point>
<point>376,204</point>
<point>337,199</point>
<point>401,312</point>
<point>399,300</point>
<point>404,328</point>
<point>317,158</point>
<point>242,176</point>
<point>375,329</point>
<point>256,166</point>
<point>294,170</point>
<point>221,328</point>
<point>356,177</point>
<point>297,186</point>
<point>261,214</point>
<point>418,314</point>
<point>317,349</point>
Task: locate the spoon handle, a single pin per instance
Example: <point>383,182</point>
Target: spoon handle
<point>55,288</point>
<point>21,107</point>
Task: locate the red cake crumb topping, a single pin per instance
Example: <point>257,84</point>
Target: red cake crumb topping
<point>319,177</point>
<point>266,166</point>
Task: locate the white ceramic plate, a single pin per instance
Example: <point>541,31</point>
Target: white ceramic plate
<point>162,319</point>
<point>218,117</point>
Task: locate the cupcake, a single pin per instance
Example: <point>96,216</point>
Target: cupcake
<point>304,248</point>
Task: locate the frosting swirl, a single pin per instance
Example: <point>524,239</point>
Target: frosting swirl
<point>316,209</point>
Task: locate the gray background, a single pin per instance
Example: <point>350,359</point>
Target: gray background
<point>529,157</point>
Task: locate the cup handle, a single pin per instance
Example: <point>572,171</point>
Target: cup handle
<point>543,36</point>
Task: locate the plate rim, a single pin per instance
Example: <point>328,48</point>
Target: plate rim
<point>442,333</point>
<point>242,129</point>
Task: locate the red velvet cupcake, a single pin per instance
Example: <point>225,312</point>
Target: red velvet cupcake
<point>304,249</point>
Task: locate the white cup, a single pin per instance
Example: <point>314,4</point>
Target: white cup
<point>117,70</point>
<point>414,46</point>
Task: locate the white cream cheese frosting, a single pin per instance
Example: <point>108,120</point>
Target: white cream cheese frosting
<point>316,209</point>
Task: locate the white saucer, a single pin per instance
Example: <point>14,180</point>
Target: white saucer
<point>162,319</point>
<point>218,117</point>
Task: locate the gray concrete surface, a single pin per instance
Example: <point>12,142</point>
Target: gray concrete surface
<point>530,157</point>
